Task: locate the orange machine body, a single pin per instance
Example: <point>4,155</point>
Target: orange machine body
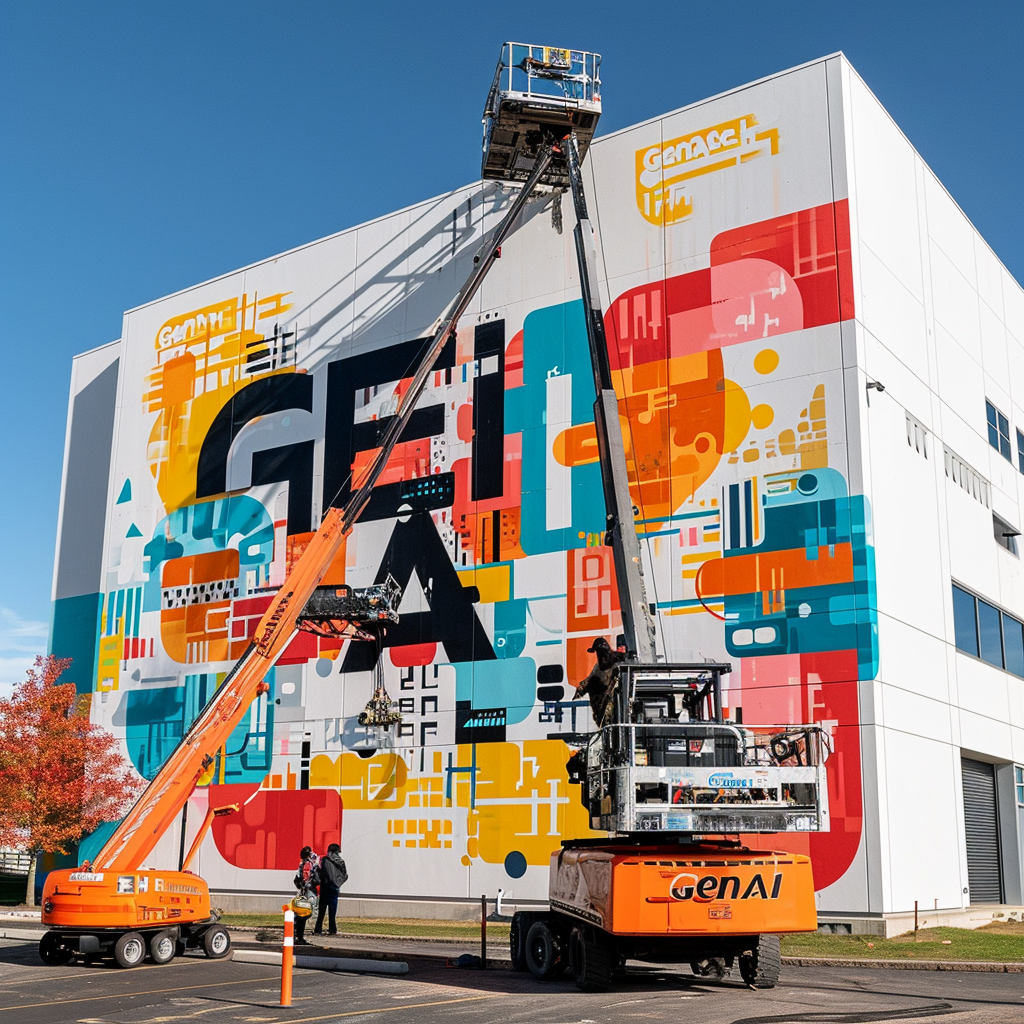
<point>701,890</point>
<point>78,900</point>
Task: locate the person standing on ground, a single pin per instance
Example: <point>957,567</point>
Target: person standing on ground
<point>333,875</point>
<point>306,880</point>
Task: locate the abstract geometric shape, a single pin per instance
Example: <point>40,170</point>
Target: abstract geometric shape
<point>515,864</point>
<point>270,829</point>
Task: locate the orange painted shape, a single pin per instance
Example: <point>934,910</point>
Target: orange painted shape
<point>178,380</point>
<point>408,460</point>
<point>592,604</point>
<point>773,571</point>
<point>577,446</point>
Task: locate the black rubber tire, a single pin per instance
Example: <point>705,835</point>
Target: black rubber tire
<point>216,942</point>
<point>163,946</point>
<point>760,967</point>
<point>543,950</point>
<point>592,957</point>
<point>53,952</point>
<point>130,950</point>
<point>517,942</point>
<point>712,968</point>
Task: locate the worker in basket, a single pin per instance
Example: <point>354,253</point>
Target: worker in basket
<point>599,686</point>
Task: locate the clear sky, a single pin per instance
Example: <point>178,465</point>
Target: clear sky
<point>147,146</point>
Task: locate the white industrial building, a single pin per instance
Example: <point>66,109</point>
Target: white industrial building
<point>821,364</point>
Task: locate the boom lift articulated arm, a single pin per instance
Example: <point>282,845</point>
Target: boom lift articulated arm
<point>621,533</point>
<point>134,839</point>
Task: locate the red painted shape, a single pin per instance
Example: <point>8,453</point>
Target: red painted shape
<point>269,831</point>
<point>410,655</point>
<point>514,361</point>
<point>812,246</point>
<point>770,278</point>
<point>792,688</point>
<point>300,650</point>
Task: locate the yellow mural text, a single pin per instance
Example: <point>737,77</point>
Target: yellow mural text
<point>663,170</point>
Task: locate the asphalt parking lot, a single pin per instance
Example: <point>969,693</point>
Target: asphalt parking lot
<point>196,989</point>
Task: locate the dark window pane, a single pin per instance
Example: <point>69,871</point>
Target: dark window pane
<point>990,414</point>
<point>1020,451</point>
<point>993,436</point>
<point>1004,437</point>
<point>965,625</point>
<point>1013,641</point>
<point>990,634</point>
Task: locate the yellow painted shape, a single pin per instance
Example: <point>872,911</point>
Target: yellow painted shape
<point>493,581</point>
<point>762,416</point>
<point>177,437</point>
<point>766,361</point>
<point>737,416</point>
<point>108,671</point>
<point>371,783</point>
<point>523,800</point>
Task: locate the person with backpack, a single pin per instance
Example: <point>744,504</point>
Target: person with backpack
<point>306,881</point>
<point>333,875</point>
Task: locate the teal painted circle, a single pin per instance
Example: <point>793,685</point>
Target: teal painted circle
<point>515,865</point>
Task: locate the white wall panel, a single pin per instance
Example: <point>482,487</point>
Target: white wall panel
<point>915,659</point>
<point>887,200</point>
<point>948,228</point>
<point>955,300</point>
<point>922,836</point>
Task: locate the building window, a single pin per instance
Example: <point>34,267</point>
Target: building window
<point>965,621</point>
<point>1018,778</point>
<point>990,634</point>
<point>1020,451</point>
<point>984,631</point>
<point>1013,645</point>
<point>1005,534</point>
<point>998,430</point>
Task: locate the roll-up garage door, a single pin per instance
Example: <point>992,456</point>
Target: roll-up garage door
<point>982,832</point>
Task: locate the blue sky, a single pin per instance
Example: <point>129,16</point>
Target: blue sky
<point>145,147</point>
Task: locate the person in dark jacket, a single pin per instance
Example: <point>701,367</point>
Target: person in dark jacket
<point>306,880</point>
<point>333,875</point>
<point>600,684</point>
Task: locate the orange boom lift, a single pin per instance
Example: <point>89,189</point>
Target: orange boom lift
<point>663,774</point>
<point>115,905</point>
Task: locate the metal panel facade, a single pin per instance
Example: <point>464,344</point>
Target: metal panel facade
<point>733,279</point>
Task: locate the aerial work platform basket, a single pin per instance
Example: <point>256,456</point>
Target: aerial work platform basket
<point>539,95</point>
<point>671,763</point>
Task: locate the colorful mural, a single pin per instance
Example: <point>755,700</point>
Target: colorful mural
<point>258,406</point>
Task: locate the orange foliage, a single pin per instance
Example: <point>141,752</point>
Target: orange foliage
<point>60,775</point>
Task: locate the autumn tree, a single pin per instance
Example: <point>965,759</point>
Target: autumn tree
<point>60,775</point>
